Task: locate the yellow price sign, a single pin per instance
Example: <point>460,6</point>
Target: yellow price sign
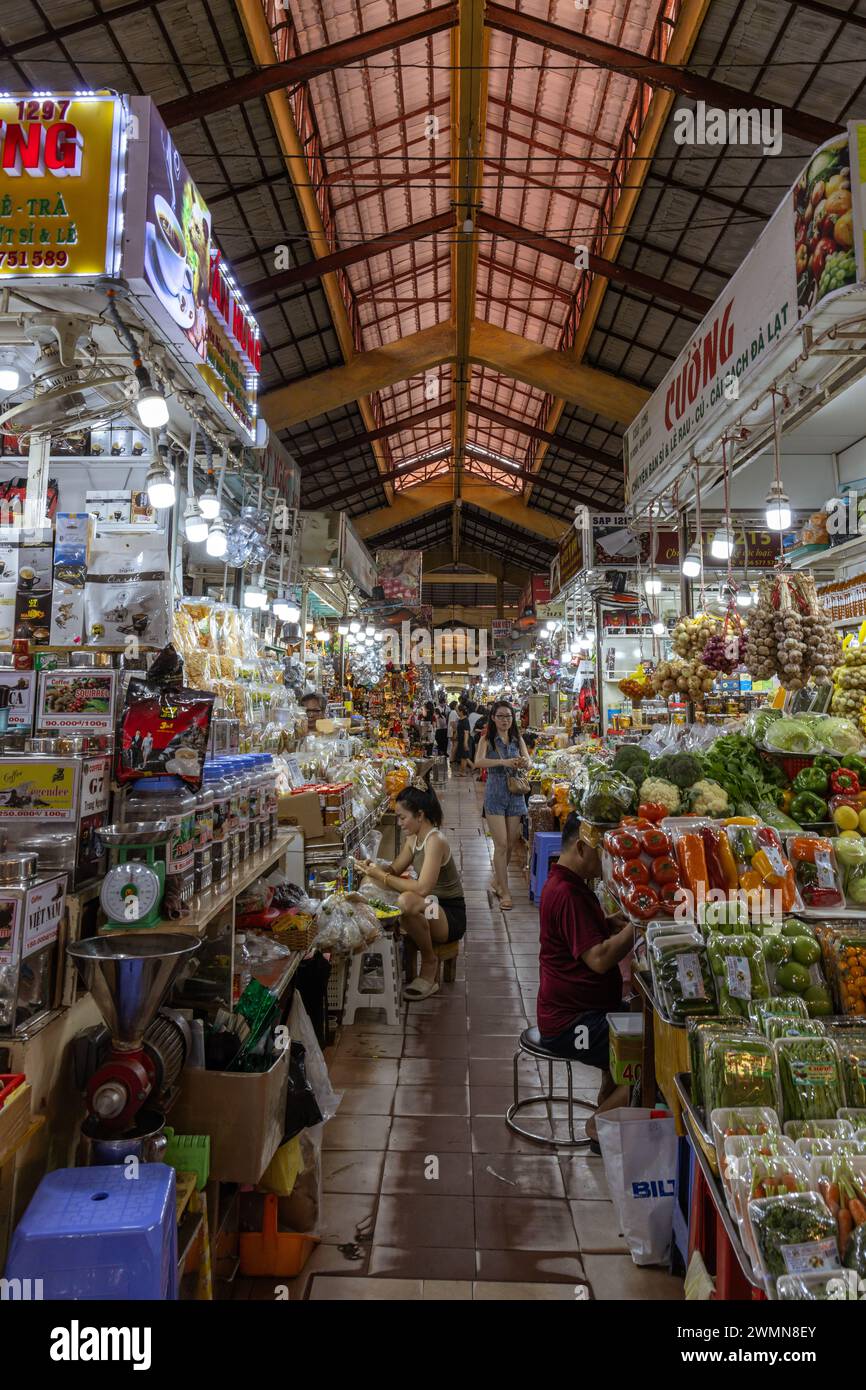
<point>60,168</point>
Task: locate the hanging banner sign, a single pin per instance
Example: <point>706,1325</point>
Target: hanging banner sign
<point>281,471</point>
<point>61,162</point>
<point>171,257</point>
<point>568,561</point>
<point>609,544</point>
<point>399,575</point>
<point>536,593</point>
<point>807,260</point>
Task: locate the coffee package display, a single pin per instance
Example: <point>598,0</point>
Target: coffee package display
<point>80,699</point>
<point>21,686</point>
<point>33,593</point>
<point>164,727</point>
<point>127,590</point>
<point>73,537</point>
<point>108,506</point>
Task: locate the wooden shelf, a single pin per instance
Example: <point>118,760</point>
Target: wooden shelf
<point>208,905</point>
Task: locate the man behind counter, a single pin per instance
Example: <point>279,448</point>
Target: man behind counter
<point>580,981</point>
<point>314,706</point>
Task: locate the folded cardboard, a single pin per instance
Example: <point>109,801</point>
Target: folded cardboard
<point>243,1112</point>
<point>304,811</point>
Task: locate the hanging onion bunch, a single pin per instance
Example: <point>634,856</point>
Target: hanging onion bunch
<point>724,652</point>
<point>691,635</point>
<point>849,696</point>
<point>790,636</point>
<point>691,678</point>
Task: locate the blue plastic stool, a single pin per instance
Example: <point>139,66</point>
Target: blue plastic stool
<point>92,1233</point>
<point>546,847</point>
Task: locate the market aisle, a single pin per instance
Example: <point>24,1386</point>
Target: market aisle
<point>504,1219</point>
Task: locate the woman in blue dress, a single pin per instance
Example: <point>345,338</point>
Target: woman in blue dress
<point>502,752</point>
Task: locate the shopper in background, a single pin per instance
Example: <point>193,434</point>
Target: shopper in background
<point>426,728</point>
<point>315,707</point>
<point>463,753</point>
<point>441,732</point>
<point>502,752</point>
<point>579,977</point>
<point>433,908</point>
<point>521,849</point>
<point>453,717</point>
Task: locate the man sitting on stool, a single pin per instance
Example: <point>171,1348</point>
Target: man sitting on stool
<point>580,982</point>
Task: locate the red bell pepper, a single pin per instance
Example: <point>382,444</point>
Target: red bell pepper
<point>635,872</point>
<point>669,897</point>
<point>622,843</point>
<point>655,842</point>
<point>642,902</point>
<point>653,811</point>
<point>665,870</point>
<point>843,782</point>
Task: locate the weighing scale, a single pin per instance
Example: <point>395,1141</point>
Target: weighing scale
<point>132,891</point>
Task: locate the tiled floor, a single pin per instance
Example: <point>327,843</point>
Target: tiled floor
<point>423,1184</point>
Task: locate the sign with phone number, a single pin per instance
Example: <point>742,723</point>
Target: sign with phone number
<point>60,163</point>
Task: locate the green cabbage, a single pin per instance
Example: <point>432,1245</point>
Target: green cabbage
<point>792,736</point>
<point>840,736</point>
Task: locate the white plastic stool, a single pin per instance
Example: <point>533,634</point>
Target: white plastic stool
<point>389,996</point>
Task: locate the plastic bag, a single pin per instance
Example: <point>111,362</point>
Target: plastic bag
<point>302,1108</point>
<point>369,847</point>
<point>126,593</point>
<point>609,796</point>
<point>282,1172</point>
<point>346,922</point>
<point>640,1164</point>
<point>301,1028</point>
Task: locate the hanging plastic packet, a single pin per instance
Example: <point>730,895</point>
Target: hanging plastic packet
<point>126,593</point>
<point>164,727</point>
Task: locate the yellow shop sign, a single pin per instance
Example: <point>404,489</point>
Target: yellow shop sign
<point>36,790</point>
<point>61,160</point>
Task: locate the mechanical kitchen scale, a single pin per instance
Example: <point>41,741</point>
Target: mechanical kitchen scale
<point>132,890</point>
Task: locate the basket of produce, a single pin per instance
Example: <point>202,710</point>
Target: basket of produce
<point>297,930</point>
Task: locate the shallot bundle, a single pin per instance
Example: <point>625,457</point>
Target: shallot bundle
<point>724,650</point>
<point>790,636</point>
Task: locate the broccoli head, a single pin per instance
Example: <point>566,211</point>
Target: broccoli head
<point>683,770</point>
<point>629,756</point>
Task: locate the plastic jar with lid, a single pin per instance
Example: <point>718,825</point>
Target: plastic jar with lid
<point>254,787</point>
<point>268,776</point>
<point>258,760</point>
<point>229,773</point>
<point>168,798</point>
<point>203,839</point>
<point>218,787</point>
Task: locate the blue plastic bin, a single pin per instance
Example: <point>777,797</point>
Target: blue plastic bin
<point>100,1233</point>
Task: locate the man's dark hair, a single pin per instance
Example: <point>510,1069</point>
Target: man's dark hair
<point>571,830</point>
<point>453,704</point>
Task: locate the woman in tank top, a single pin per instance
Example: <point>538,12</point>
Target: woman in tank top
<point>432,905</point>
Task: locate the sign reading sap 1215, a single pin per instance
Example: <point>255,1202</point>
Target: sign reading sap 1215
<point>60,167</point>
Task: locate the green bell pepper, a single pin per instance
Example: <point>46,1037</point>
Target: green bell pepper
<point>827,762</point>
<point>807,807</point>
<point>811,779</point>
<point>855,763</point>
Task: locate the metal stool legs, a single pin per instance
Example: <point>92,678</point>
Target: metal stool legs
<point>572,1142</point>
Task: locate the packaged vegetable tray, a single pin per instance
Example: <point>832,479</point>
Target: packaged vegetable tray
<point>795,1234</point>
<point>766,875</point>
<point>737,963</point>
<point>792,1026</point>
<point>793,956</point>
<point>741,1150</point>
<point>853,1054</point>
<point>728,1122</point>
<point>818,1129</point>
<point>682,978</point>
<point>640,869</point>
<point>816,873</point>
<point>843,949</point>
<point>810,1076</point>
<point>788,1004</point>
<point>741,1071</point>
<point>841,1182</point>
<point>836,1286</point>
<point>855,1116</point>
<point>700,1032</point>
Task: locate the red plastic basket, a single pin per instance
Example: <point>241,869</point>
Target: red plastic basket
<point>790,763</point>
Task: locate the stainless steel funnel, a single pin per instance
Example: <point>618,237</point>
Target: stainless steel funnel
<point>130,977</point>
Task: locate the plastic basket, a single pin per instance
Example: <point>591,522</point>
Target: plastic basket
<point>790,763</point>
<point>337,984</point>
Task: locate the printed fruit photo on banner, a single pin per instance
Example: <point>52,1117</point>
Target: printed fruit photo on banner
<point>824,226</point>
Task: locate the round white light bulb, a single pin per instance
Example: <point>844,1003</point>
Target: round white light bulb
<point>209,504</point>
<point>217,541</point>
<point>152,409</point>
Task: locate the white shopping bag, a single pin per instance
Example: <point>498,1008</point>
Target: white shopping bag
<point>640,1164</point>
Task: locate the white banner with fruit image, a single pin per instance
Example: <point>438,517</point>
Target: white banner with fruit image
<point>809,257</point>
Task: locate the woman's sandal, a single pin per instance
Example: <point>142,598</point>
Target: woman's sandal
<point>505,903</point>
<point>420,989</point>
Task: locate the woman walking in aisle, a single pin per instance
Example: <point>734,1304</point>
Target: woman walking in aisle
<point>502,752</point>
<point>432,904</point>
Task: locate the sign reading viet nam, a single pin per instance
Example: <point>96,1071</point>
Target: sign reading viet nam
<point>808,254</point>
<point>60,179</point>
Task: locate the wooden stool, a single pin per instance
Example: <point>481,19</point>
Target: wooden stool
<point>447,953</point>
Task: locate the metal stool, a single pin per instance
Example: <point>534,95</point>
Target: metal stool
<point>530,1046</point>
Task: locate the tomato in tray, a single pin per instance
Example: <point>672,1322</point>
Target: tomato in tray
<point>668,897</point>
<point>655,842</point>
<point>665,870</point>
<point>634,871</point>
<point>642,901</point>
<point>622,844</point>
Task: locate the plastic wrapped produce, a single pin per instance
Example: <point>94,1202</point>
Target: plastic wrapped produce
<point>830,1128</point>
<point>700,1032</point>
<point>787,1004</point>
<point>682,977</point>
<point>794,1234</point>
<point>792,1026</point>
<point>741,1072</point>
<point>844,951</point>
<point>609,796</point>
<point>728,1122</point>
<point>810,1076</point>
<point>836,1286</point>
<point>853,1054</point>
<point>346,923</point>
<point>737,963</point>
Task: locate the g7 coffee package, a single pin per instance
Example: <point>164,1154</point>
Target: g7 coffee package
<point>164,727</point>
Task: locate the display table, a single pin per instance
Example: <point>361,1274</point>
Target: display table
<point>665,1051</point>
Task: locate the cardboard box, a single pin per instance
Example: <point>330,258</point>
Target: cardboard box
<point>243,1112</point>
<point>626,1047</point>
<point>304,811</point>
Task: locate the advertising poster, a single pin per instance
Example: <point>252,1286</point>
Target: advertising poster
<point>806,256</point>
<point>400,574</point>
<point>60,171</point>
<point>37,791</point>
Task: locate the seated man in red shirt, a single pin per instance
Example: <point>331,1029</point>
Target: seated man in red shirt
<point>580,981</point>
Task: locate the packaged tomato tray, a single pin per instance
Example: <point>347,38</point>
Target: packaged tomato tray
<point>641,870</point>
